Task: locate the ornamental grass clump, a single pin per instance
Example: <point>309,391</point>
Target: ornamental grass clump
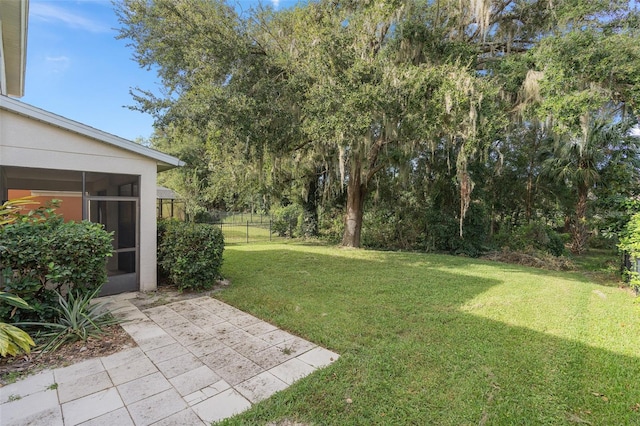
<point>78,318</point>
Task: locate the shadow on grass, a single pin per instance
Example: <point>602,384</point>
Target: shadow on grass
<point>410,355</point>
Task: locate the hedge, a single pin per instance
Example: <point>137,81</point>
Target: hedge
<point>41,254</point>
<point>190,253</point>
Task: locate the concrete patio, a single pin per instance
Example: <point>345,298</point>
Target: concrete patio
<point>197,361</point>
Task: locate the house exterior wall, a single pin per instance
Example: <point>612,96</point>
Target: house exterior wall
<point>27,142</point>
<point>70,207</point>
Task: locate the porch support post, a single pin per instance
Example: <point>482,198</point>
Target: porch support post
<point>85,214</point>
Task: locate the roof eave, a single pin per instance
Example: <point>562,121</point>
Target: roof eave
<point>163,161</point>
<point>14,39</point>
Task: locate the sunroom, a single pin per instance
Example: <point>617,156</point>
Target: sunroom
<point>97,176</point>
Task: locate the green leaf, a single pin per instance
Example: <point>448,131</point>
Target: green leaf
<point>14,300</point>
<point>14,340</point>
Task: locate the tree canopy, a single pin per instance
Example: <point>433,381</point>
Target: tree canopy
<point>448,121</point>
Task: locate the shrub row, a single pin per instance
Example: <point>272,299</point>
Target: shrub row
<point>41,254</point>
<point>190,254</point>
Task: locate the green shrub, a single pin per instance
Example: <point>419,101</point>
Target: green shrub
<point>331,226</point>
<point>535,235</point>
<point>285,220</point>
<point>205,217</point>
<point>191,254</point>
<point>41,254</point>
<point>603,242</point>
<point>12,339</point>
<point>163,225</point>
<point>442,232</point>
<point>630,243</point>
<point>379,230</point>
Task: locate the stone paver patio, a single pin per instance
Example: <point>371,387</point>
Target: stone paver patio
<point>197,361</point>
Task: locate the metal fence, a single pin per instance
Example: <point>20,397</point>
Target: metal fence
<point>248,232</point>
<point>240,217</point>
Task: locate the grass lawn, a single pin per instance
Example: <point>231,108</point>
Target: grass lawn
<point>429,339</point>
<point>239,233</point>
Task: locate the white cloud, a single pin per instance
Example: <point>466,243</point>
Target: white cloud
<point>635,131</point>
<point>51,13</point>
<point>276,3</point>
<point>57,64</point>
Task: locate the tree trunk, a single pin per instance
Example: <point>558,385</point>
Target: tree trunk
<point>529,197</point>
<point>356,193</point>
<point>310,207</point>
<point>357,189</point>
<point>579,234</point>
<point>530,180</point>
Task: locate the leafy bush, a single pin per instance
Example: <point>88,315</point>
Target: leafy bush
<point>191,254</point>
<point>379,230</point>
<point>388,230</point>
<point>285,220</point>
<point>12,339</point>
<point>205,217</point>
<point>162,226</point>
<point>41,299</point>
<point>442,232</point>
<point>331,226</point>
<point>41,254</point>
<point>603,242</point>
<point>535,235</point>
<point>630,243</point>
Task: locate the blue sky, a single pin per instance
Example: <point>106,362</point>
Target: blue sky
<point>77,69</point>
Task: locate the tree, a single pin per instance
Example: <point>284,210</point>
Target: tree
<point>371,103</point>
<point>337,93</point>
<point>589,99</point>
<point>580,163</point>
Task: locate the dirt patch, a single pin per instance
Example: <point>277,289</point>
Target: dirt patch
<point>114,340</point>
<point>170,293</point>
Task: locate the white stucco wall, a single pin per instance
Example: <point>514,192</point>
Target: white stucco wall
<point>26,142</point>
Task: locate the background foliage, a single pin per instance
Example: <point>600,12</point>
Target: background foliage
<point>406,124</point>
